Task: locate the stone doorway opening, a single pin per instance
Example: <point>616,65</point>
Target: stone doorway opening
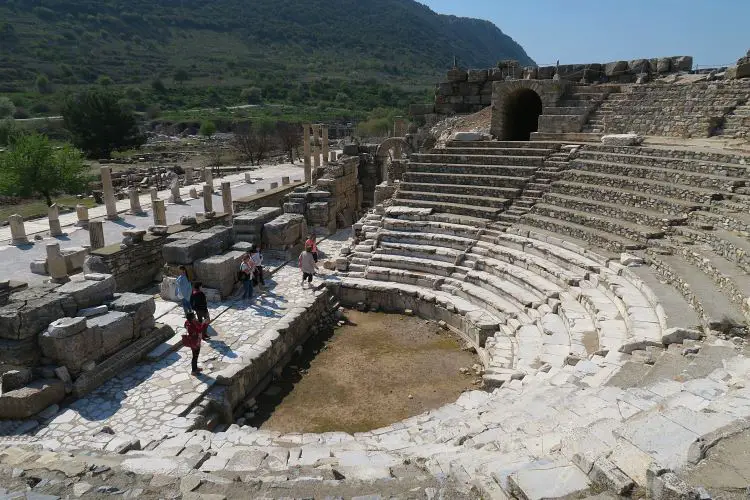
<point>522,110</point>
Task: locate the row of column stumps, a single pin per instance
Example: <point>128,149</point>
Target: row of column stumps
<point>314,148</point>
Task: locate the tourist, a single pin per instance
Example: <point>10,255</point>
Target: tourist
<point>184,289</point>
<point>247,269</point>
<point>257,259</point>
<point>311,243</point>
<point>196,332</point>
<point>199,303</point>
<point>308,264</point>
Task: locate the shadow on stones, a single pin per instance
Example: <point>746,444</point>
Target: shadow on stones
<point>122,222</point>
<point>222,348</point>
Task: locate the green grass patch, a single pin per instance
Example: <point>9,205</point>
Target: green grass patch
<point>38,208</point>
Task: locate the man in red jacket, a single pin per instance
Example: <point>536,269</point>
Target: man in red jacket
<point>196,331</point>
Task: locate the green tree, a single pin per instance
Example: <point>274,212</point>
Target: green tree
<point>9,131</point>
<point>253,95</point>
<point>32,167</point>
<point>208,128</point>
<point>158,86</point>
<point>7,108</point>
<point>99,125</point>
<point>104,81</point>
<point>43,85</point>
<point>181,76</point>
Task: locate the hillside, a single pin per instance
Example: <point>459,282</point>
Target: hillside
<point>250,41</point>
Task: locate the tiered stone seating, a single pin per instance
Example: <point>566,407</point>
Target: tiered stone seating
<point>685,207</point>
<point>547,300</point>
<point>571,112</point>
<point>478,179</point>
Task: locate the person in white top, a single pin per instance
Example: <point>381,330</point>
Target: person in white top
<point>246,276</point>
<point>257,258</point>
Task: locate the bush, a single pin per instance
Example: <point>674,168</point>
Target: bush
<point>9,131</point>
<point>43,85</point>
<point>20,113</point>
<point>253,95</point>
<point>104,81</point>
<point>208,128</point>
<point>153,111</point>
<point>7,108</point>
<point>158,86</point>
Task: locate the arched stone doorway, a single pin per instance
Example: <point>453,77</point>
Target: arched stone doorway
<point>522,109</point>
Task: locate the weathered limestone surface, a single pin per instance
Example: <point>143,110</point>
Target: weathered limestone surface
<point>219,271</point>
<point>91,291</point>
<point>31,399</point>
<point>204,244</point>
<point>284,235</point>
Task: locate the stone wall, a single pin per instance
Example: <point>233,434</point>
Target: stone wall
<point>471,91</point>
<point>674,110</point>
<point>139,265</point>
<point>270,198</point>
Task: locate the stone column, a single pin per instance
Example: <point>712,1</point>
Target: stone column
<point>248,178</point>
<point>82,212</point>
<point>399,130</point>
<point>285,181</point>
<point>154,194</point>
<point>56,267</point>
<point>306,152</point>
<point>316,147</point>
<point>175,198</point>
<point>226,197</point>
<point>109,193</point>
<point>208,177</point>
<point>208,202</point>
<point>193,193</point>
<point>332,157</point>
<point>135,201</point>
<point>188,175</point>
<point>324,144</point>
<point>160,213</point>
<point>54,221</point>
<point>17,230</point>
<point>96,234</point>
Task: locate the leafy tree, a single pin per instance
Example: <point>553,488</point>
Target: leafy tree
<point>7,108</point>
<point>9,131</point>
<point>181,76</point>
<point>253,95</point>
<point>99,125</point>
<point>43,85</point>
<point>104,81</point>
<point>208,128</point>
<point>158,86</point>
<point>33,167</point>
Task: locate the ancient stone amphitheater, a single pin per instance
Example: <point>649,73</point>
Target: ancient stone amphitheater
<point>605,288</point>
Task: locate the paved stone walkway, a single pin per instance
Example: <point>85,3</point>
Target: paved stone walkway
<point>14,261</point>
<point>153,399</point>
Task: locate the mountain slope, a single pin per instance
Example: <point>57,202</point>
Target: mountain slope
<point>131,41</point>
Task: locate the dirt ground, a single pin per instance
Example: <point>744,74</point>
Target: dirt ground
<point>381,369</point>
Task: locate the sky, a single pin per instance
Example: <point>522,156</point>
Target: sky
<point>714,32</point>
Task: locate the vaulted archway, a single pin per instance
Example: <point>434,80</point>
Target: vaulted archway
<point>521,118</point>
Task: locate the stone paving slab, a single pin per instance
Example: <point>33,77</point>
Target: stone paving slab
<point>152,399</point>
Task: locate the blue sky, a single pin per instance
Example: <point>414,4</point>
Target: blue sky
<point>714,32</point>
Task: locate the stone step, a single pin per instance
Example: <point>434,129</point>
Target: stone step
<point>465,179</point>
<point>458,150</point>
<point>673,309</point>
<point>716,309</point>
<point>436,227</point>
<point>419,237</point>
<point>505,144</point>
<point>456,168</point>
<point>634,232</point>
<point>357,268</point>
<point>533,272</point>
<point>478,159</point>
<point>682,164</point>
<point>729,244</point>
<point>562,110</point>
<point>461,199</point>
<point>590,235</point>
<point>452,208</point>
<point>614,210</point>
<point>625,197</point>
<point>442,254</point>
<point>673,152</point>
<point>646,186</point>
<point>732,221</point>
<point>692,179</point>
<point>467,189</point>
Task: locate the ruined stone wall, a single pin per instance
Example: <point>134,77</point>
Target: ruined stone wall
<point>270,198</point>
<point>138,265</point>
<point>470,91</point>
<point>674,110</point>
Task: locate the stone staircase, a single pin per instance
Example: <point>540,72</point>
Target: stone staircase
<point>737,123</point>
<point>572,111</point>
<point>597,119</point>
<point>479,179</point>
<point>686,209</point>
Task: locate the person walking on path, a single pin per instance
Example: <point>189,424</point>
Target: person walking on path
<point>196,332</point>
<point>313,246</point>
<point>199,303</point>
<point>307,265</point>
<point>247,269</point>
<point>257,259</point>
<point>184,289</point>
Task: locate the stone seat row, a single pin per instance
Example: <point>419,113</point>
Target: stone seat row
<point>516,296</point>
